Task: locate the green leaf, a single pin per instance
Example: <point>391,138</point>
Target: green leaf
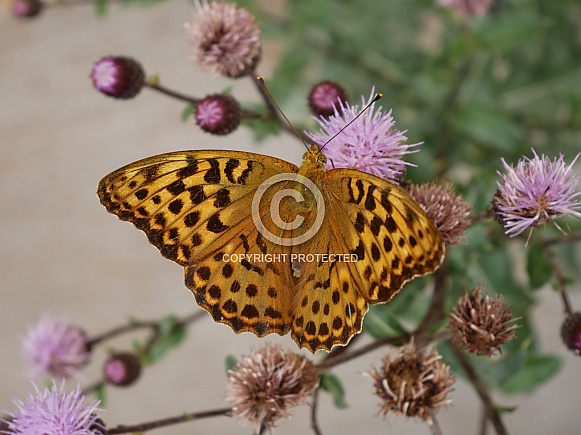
<point>101,395</point>
<point>188,112</point>
<point>230,362</point>
<point>489,125</point>
<point>539,267</point>
<point>101,7</point>
<point>170,334</point>
<point>262,128</point>
<point>537,370</point>
<point>380,322</point>
<point>505,32</point>
<point>333,385</point>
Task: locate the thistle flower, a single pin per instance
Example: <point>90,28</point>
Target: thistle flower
<point>537,191</point>
<point>266,384</point>
<point>55,412</point>
<point>26,8</point>
<point>225,39</point>
<point>466,9</point>
<point>412,382</point>
<point>571,332</point>
<point>118,76</point>
<point>371,144</point>
<point>122,369</point>
<point>55,347</point>
<point>481,324</point>
<point>445,208</point>
<point>218,114</point>
<point>324,96</point>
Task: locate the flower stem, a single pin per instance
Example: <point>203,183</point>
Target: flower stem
<point>244,114</point>
<point>490,409</point>
<point>169,421</point>
<point>347,356</point>
<point>139,325</point>
<point>561,279</point>
<point>314,408</point>
<point>436,311</point>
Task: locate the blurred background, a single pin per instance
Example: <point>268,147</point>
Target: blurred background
<point>62,253</point>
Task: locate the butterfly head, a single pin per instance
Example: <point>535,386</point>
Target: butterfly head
<point>315,155</point>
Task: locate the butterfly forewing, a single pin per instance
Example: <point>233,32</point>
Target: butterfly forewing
<point>195,208</point>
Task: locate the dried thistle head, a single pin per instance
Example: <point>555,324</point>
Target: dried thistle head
<point>481,324</point>
<point>412,382</point>
<point>266,384</point>
<point>445,208</point>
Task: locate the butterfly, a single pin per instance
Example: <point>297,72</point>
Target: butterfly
<point>261,268</point>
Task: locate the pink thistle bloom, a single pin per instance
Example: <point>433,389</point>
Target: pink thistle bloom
<point>371,144</point>
<point>55,347</point>
<point>468,8</point>
<point>534,192</point>
<point>225,39</point>
<point>55,412</point>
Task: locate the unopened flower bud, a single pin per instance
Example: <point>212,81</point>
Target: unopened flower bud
<point>117,76</point>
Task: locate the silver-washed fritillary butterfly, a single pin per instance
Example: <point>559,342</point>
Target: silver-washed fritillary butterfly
<point>196,207</point>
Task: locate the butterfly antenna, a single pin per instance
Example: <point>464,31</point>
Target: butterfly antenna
<point>377,97</point>
<point>260,80</point>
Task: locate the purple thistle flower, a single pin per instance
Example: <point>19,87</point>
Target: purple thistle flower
<point>468,8</point>
<point>534,192</point>
<point>55,412</point>
<point>371,144</point>
<point>56,347</point>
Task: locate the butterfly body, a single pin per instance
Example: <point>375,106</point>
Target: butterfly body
<point>261,269</point>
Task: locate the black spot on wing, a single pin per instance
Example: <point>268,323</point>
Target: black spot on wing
<point>243,179</point>
<point>189,170</point>
<point>176,187</point>
<point>215,225</point>
<point>229,168</point>
<point>369,199</point>
<point>212,176</point>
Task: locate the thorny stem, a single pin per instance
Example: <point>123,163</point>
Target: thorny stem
<point>558,240</point>
<point>489,408</point>
<point>169,421</point>
<point>435,426</point>
<point>482,216</point>
<point>483,422</point>
<point>139,325</point>
<point>314,407</point>
<point>561,280</point>
<point>262,429</point>
<point>436,310</point>
<point>347,356</point>
<point>244,114</point>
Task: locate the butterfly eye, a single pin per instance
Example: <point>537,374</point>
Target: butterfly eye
<point>321,159</point>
